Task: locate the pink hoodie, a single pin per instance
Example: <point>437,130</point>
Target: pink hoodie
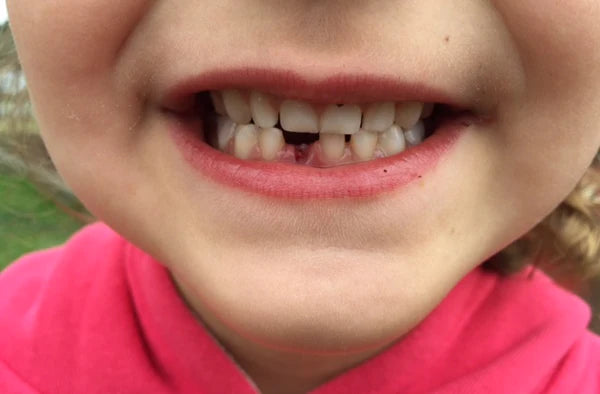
<point>99,316</point>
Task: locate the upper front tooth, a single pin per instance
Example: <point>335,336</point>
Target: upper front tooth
<point>217,101</point>
<point>298,116</point>
<point>341,120</point>
<point>237,106</point>
<point>246,140</point>
<point>264,112</point>
<point>408,113</point>
<point>392,141</point>
<point>379,117</point>
<point>416,134</point>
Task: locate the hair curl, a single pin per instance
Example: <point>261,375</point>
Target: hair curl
<point>567,242</point>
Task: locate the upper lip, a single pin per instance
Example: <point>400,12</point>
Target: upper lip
<point>336,88</point>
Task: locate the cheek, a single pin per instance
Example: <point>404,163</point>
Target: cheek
<point>64,38</point>
<point>557,27</point>
<point>558,42</point>
<point>69,50</point>
<point>556,124</point>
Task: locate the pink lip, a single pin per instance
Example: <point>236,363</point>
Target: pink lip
<point>284,180</point>
<point>341,88</point>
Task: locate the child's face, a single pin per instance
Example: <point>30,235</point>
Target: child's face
<point>314,272</point>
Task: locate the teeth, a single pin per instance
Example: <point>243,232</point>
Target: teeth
<point>298,116</point>
<point>341,120</point>
<point>416,134</point>
<point>271,142</point>
<point>236,106</point>
<point>379,117</point>
<point>363,144</point>
<point>408,114</point>
<point>392,141</point>
<point>333,145</point>
<point>218,103</point>
<point>427,110</point>
<point>246,139</point>
<point>264,112</point>
<point>225,131</point>
<point>384,129</point>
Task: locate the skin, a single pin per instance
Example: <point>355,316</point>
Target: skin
<point>300,299</point>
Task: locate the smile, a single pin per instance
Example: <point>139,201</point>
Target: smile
<point>257,126</point>
<point>294,147</point>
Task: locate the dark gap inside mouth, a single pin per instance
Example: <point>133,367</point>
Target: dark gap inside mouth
<point>299,138</point>
<point>441,114</point>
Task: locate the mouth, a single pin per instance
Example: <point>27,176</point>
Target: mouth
<point>285,137</point>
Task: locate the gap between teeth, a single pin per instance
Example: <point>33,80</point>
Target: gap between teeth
<point>376,130</point>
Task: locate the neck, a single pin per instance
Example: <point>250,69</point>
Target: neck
<point>284,372</point>
<point>271,369</point>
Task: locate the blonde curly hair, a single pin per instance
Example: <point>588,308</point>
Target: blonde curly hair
<point>567,242</point>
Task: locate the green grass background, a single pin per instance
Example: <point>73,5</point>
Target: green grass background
<point>28,220</point>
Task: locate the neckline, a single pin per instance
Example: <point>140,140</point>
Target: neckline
<point>443,345</point>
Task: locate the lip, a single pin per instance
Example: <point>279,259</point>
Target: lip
<point>340,88</point>
<point>291,181</point>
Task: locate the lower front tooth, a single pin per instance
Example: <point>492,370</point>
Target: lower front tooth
<point>363,144</point>
<point>271,141</point>
<point>392,141</point>
<point>246,140</point>
<point>416,134</point>
<point>225,131</point>
<point>332,145</point>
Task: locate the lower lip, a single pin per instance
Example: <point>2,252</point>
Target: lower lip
<point>290,181</point>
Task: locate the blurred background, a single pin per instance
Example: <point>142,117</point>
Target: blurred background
<point>38,211</point>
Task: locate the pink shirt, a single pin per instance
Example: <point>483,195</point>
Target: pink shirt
<point>99,316</point>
